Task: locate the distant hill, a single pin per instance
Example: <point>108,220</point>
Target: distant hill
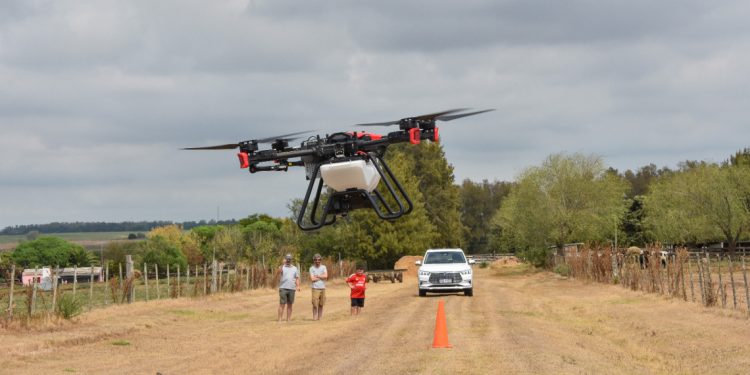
<point>125,226</point>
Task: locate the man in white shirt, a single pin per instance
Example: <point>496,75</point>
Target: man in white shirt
<point>318,277</point>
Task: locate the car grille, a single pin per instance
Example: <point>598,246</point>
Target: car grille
<point>435,278</point>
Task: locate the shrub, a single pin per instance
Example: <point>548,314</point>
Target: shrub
<point>563,270</point>
<point>68,306</point>
<point>537,257</point>
<point>484,264</point>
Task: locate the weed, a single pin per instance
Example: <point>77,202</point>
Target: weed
<point>121,342</point>
<point>69,306</point>
<point>563,270</point>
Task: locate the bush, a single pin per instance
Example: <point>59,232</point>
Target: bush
<point>563,270</point>
<point>68,306</point>
<point>484,264</point>
<point>537,257</point>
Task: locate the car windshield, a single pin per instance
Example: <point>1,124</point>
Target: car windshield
<point>444,257</point>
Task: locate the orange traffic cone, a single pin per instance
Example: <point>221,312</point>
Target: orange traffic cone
<point>441,329</point>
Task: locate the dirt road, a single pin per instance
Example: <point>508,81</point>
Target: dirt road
<point>516,323</point>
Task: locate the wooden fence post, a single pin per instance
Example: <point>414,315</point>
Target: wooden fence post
<point>106,284</point>
<point>120,281</point>
<point>145,279</point>
<point>221,272</point>
<point>75,279</point>
<point>12,285</point>
<point>690,273</point>
<point>205,278</point>
<point>195,283</point>
<point>156,271</point>
<point>214,264</point>
<point>54,288</point>
<point>747,291</point>
<point>178,281</point>
<point>731,280</point>
<point>129,274</point>
<point>169,286</point>
<point>33,293</point>
<point>187,280</point>
<point>700,281</point>
<point>91,286</point>
<point>722,292</point>
<point>682,278</point>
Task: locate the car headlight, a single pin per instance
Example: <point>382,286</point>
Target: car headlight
<point>424,273</point>
<point>466,272</point>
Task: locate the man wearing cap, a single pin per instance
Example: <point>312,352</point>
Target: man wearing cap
<point>318,277</point>
<point>288,284</point>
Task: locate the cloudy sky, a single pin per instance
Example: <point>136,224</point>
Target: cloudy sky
<point>96,97</point>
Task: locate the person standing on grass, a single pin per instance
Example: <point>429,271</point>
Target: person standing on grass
<point>357,283</point>
<point>318,277</point>
<point>288,284</point>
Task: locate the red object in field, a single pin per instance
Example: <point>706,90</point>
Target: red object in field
<point>441,329</point>
<point>436,138</point>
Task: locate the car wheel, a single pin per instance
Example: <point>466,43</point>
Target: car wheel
<point>422,293</point>
<point>469,292</point>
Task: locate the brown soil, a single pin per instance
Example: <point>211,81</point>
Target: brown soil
<point>517,322</point>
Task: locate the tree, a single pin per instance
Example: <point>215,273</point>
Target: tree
<point>163,252</point>
<point>45,251</point>
<point>82,257</point>
<point>204,236</point>
<point>230,244</point>
<point>740,158</point>
<point>479,203</point>
<point>567,199</point>
<point>701,204</point>
<point>436,183</point>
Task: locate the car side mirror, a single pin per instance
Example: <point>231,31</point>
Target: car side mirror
<point>419,262</point>
<point>472,261</point>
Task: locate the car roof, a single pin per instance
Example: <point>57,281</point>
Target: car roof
<point>434,250</point>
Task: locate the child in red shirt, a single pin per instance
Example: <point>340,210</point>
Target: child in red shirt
<point>358,283</point>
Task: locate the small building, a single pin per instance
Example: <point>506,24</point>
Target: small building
<point>43,276</point>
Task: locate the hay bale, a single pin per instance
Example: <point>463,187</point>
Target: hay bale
<point>634,250</point>
<point>407,263</point>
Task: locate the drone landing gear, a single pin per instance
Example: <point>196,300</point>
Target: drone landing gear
<point>341,202</point>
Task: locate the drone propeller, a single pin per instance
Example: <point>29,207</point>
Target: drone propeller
<point>441,116</point>
<point>229,146</point>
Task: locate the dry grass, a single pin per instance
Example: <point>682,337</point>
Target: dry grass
<point>519,321</point>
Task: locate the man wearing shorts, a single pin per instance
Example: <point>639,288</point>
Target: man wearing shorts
<point>357,282</point>
<point>318,277</point>
<point>288,284</point>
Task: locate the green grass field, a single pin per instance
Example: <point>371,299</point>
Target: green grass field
<point>75,236</point>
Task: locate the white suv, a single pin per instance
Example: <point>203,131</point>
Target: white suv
<point>445,271</point>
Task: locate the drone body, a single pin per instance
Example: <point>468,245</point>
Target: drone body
<point>350,163</point>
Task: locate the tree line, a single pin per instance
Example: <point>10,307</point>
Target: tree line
<point>569,198</point>
<point>125,226</point>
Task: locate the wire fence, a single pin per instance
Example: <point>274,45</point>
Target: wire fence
<point>713,280</point>
<point>39,297</point>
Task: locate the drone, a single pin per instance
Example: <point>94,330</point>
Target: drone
<point>350,164</point>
